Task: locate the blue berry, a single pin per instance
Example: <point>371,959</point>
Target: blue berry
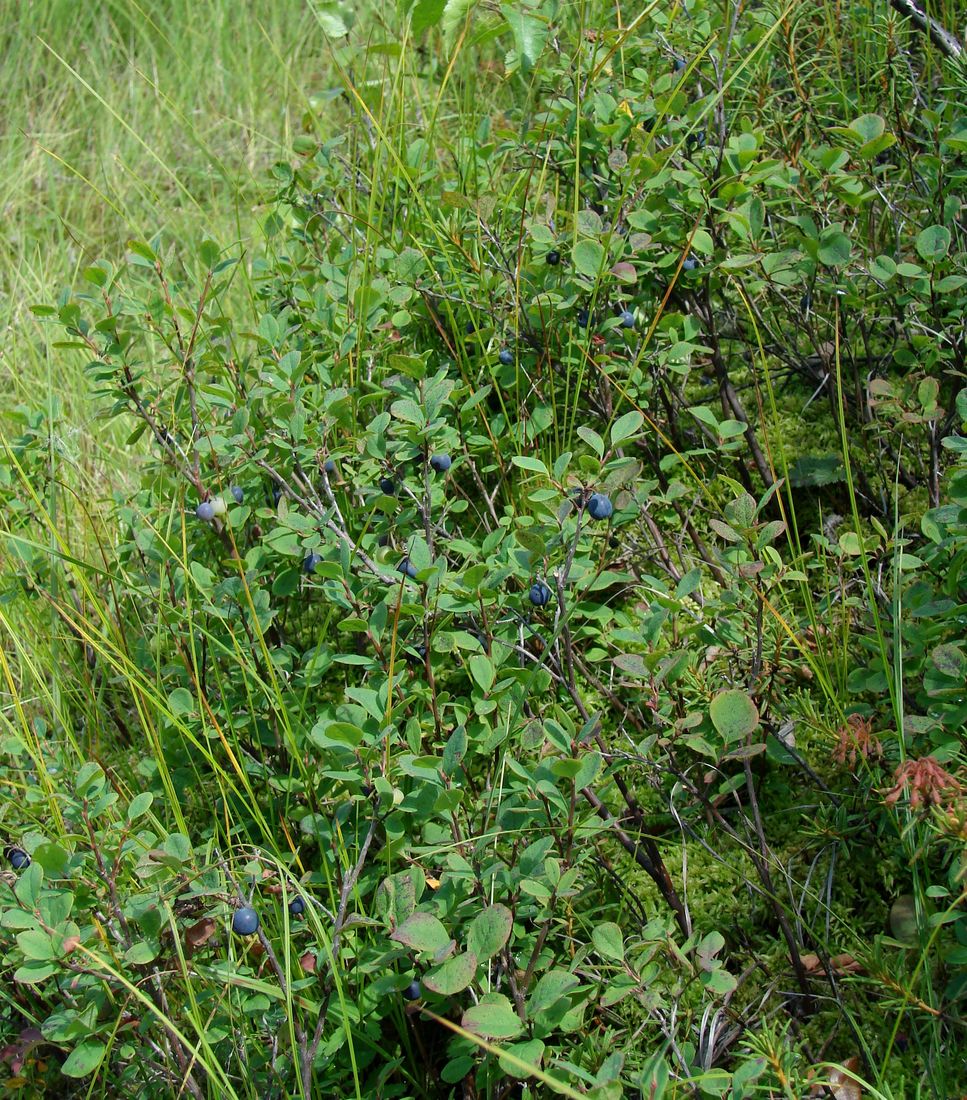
<point>329,466</point>
<point>245,922</point>
<point>19,860</point>
<point>205,511</point>
<point>600,506</point>
<point>407,568</point>
<point>540,594</point>
<point>297,907</point>
<point>627,319</point>
<point>690,264</point>
<point>679,64</point>
<point>413,991</point>
<point>388,486</point>
<point>238,493</point>
<point>441,463</point>
<point>310,561</point>
<point>553,257</point>
<point>584,318</point>
<point>506,356</point>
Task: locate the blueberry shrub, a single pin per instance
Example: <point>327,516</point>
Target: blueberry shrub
<point>527,645</point>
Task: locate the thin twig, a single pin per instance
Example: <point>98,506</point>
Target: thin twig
<point>946,42</point>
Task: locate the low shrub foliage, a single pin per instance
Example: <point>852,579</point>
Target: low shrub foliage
<point>525,655</point>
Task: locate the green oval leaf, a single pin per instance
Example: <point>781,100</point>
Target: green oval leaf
<point>140,805</point>
<point>452,976</point>
<point>52,857</point>
<point>632,664</point>
<point>36,945</point>
<point>626,426</point>
<point>529,1052</point>
<point>834,248</point>
<point>608,941</point>
<point>524,462</point>
<point>482,671</point>
<point>426,14</point>
<point>593,440</point>
<point>530,34</point>
<point>588,257</point>
<point>933,243</point>
<point>868,127</point>
<point>490,930</point>
<point>733,714</point>
<point>422,932</point>
<point>83,1059</point>
<point>493,1018</point>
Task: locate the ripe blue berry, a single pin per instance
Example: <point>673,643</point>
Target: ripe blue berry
<point>540,594</point>
<point>413,991</point>
<point>388,486</point>
<point>205,511</point>
<point>19,860</point>
<point>441,463</point>
<point>297,907</point>
<point>584,318</point>
<point>329,466</point>
<point>679,64</point>
<point>506,356</point>
<point>407,568</point>
<point>245,921</point>
<point>627,319</point>
<point>471,328</point>
<point>600,506</point>
<point>553,257</point>
<point>238,493</point>
<point>310,561</point>
<point>690,264</point>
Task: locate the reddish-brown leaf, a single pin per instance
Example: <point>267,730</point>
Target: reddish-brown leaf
<point>840,1082</point>
<point>199,934</point>
<point>16,1053</point>
<point>839,964</point>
